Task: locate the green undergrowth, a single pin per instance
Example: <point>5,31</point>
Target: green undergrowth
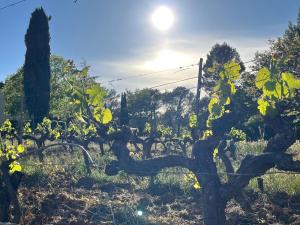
<point>67,167</point>
<point>172,180</point>
<point>276,181</point>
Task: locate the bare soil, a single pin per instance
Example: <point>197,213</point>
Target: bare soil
<point>85,202</point>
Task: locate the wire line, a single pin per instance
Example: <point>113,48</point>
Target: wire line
<point>179,69</point>
<point>12,4</point>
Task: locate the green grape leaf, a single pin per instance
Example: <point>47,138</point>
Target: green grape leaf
<point>266,107</point>
<point>291,81</point>
<point>262,106</point>
<point>212,101</point>
<point>193,121</point>
<point>232,88</point>
<point>14,167</point>
<point>237,134</point>
<point>215,108</point>
<point>147,128</point>
<point>211,69</point>
<point>215,153</point>
<point>107,116</point>
<point>96,95</point>
<point>262,77</point>
<point>79,117</point>
<point>282,91</point>
<point>85,71</point>
<point>197,185</point>
<point>20,148</point>
<point>209,121</point>
<point>206,134</point>
<point>269,88</point>
<point>232,70</point>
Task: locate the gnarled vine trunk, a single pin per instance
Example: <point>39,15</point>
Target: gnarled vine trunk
<point>213,205</point>
<point>215,195</point>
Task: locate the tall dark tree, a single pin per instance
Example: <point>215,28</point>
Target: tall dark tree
<point>218,55</point>
<point>124,117</point>
<point>37,66</point>
<point>143,106</point>
<point>178,104</point>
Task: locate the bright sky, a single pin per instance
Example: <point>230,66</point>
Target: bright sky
<point>121,38</point>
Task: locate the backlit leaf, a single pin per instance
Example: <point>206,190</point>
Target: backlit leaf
<point>193,121</point>
<point>107,116</point>
<point>291,81</point>
<point>20,148</point>
<point>215,153</point>
<point>262,77</point>
<point>232,70</point>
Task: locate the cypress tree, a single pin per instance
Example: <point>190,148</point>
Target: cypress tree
<point>124,117</point>
<point>37,66</point>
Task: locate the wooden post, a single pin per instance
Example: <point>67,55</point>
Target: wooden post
<point>198,91</point>
<point>260,184</point>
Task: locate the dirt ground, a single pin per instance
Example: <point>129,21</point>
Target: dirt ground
<point>84,202</point>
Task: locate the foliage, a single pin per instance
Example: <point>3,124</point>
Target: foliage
<point>13,95</point>
<point>90,103</point>
<point>178,104</point>
<point>143,106</point>
<point>219,55</point>
<point>61,72</point>
<point>82,131</point>
<point>193,120</point>
<point>191,178</point>
<point>37,66</point>
<point>223,92</point>
<point>164,131</point>
<point>147,128</point>
<point>47,128</point>
<point>9,151</point>
<point>276,86</point>
<point>237,134</point>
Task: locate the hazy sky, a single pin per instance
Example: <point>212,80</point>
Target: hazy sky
<point>118,38</point>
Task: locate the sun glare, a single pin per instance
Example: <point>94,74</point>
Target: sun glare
<point>163,18</point>
<point>167,59</point>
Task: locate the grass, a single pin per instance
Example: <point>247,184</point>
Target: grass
<point>117,199</point>
<point>169,179</point>
<point>289,183</point>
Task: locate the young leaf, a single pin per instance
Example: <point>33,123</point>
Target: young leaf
<point>14,167</point>
<point>20,148</point>
<point>262,77</point>
<point>232,69</point>
<point>193,121</point>
<point>291,81</point>
<point>262,106</point>
<point>107,116</point>
<point>269,88</point>
<point>215,153</point>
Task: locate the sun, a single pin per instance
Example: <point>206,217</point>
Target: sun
<point>163,18</point>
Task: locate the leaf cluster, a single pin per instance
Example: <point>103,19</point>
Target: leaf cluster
<point>276,86</point>
<point>8,150</point>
